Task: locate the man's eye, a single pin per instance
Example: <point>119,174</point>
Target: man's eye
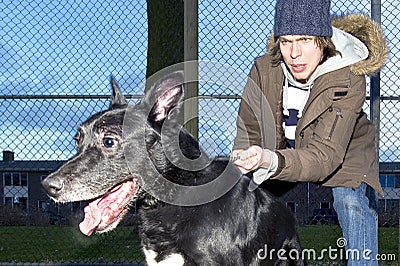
<point>108,142</point>
<point>306,39</point>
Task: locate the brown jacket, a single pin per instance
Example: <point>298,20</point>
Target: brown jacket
<point>334,140</point>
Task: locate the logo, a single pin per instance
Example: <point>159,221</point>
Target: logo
<point>210,74</point>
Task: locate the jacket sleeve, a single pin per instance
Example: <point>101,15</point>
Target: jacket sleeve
<point>324,141</point>
<point>249,121</point>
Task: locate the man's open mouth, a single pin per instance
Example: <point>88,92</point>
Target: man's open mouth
<point>104,213</point>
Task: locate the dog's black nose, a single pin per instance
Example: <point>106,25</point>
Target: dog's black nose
<point>52,185</point>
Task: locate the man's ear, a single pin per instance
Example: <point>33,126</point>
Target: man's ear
<point>117,98</point>
<point>165,97</point>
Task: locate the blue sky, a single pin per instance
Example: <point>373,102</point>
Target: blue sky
<point>72,47</point>
<point>63,47</point>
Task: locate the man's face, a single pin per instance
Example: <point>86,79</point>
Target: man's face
<point>301,55</point>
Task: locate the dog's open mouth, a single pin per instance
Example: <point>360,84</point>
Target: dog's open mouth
<point>104,213</point>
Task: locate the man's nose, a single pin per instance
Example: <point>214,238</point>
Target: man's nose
<point>295,50</point>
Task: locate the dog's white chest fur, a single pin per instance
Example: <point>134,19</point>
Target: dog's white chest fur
<point>174,259</point>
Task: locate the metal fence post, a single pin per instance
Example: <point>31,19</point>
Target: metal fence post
<point>191,108</point>
<point>375,81</point>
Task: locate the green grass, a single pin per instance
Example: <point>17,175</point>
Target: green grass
<point>320,237</point>
<point>57,244</point>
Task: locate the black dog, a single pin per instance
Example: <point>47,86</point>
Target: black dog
<point>235,228</point>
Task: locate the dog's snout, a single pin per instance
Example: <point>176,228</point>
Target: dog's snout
<point>52,185</point>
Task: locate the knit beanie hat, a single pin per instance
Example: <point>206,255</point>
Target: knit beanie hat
<point>302,17</point>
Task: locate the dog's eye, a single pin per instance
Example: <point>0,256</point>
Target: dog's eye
<point>108,142</point>
<point>77,140</point>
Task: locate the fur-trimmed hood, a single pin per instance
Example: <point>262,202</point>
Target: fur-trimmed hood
<point>370,33</point>
<point>372,52</point>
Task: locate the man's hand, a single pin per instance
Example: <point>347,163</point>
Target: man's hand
<point>263,161</point>
<point>252,158</point>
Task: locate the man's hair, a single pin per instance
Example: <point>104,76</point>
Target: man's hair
<point>328,49</point>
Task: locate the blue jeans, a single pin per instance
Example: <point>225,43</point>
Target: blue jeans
<point>358,218</point>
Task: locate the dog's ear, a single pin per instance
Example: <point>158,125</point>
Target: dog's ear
<point>166,96</point>
<point>117,99</point>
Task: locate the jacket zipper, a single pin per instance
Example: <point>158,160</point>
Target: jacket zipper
<point>338,114</point>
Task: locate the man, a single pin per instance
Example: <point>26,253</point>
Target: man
<point>313,81</point>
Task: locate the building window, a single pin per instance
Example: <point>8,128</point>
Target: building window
<point>42,205</point>
<point>7,179</point>
<point>382,180</point>
<point>24,179</point>
<point>8,201</point>
<point>390,180</point>
<point>21,202</point>
<point>15,179</point>
<point>15,189</point>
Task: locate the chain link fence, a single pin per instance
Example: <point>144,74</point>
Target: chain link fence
<point>56,58</point>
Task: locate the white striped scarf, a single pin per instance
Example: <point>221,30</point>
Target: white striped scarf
<point>294,100</point>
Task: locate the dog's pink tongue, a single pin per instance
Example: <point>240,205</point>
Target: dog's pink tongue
<point>92,218</point>
<point>104,211</point>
